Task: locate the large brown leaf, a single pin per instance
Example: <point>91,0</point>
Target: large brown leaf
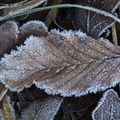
<point>89,22</point>
<point>108,108</point>
<point>68,62</point>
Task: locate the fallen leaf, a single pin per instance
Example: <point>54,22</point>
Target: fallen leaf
<point>8,35</point>
<point>108,107</point>
<point>89,22</point>
<point>66,63</point>
<point>44,109</point>
<point>35,28</point>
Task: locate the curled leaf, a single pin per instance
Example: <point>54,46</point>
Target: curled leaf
<point>66,63</point>
<point>35,28</point>
<point>45,109</point>
<point>108,108</point>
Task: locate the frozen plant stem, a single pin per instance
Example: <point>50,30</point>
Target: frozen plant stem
<point>52,14</point>
<point>114,34</point>
<point>6,109</point>
<point>3,93</point>
<point>14,14</point>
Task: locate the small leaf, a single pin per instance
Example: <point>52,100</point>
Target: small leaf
<point>44,109</point>
<point>66,63</point>
<point>8,35</point>
<point>108,107</point>
<point>34,27</point>
<point>91,23</point>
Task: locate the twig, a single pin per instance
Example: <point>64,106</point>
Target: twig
<point>52,14</point>
<point>58,25</point>
<point>114,34</point>
<point>6,109</point>
<point>2,94</point>
<point>119,10</point>
<point>15,14</point>
<point>3,91</point>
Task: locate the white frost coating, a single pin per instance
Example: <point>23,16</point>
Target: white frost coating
<point>34,22</point>
<point>102,100</point>
<point>110,25</point>
<point>66,33</point>
<point>77,93</point>
<point>31,43</point>
<point>55,113</point>
<point>22,58</point>
<point>115,7</point>
<point>28,43</point>
<point>55,105</point>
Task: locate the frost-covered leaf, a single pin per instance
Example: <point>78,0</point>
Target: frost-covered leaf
<point>8,35</point>
<point>89,22</point>
<point>35,28</point>
<point>108,107</point>
<point>92,23</point>
<point>68,62</point>
<point>44,109</point>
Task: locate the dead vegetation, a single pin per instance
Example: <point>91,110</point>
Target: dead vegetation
<point>60,60</point>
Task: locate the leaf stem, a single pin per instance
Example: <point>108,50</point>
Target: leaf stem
<point>15,14</point>
<point>6,109</point>
<point>114,34</point>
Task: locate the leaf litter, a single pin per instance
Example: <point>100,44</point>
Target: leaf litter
<point>70,58</point>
